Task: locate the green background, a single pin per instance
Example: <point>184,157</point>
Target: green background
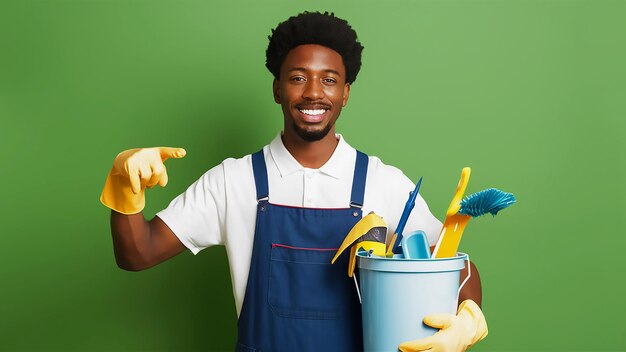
<point>530,94</point>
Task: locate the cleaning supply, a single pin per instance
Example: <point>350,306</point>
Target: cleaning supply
<point>369,234</point>
<point>397,293</point>
<point>133,170</point>
<point>461,210</point>
<point>408,207</point>
<point>415,245</point>
<point>458,332</point>
<point>453,226</point>
<point>491,201</point>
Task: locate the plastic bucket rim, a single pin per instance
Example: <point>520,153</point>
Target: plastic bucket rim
<point>417,266</point>
<point>459,255</point>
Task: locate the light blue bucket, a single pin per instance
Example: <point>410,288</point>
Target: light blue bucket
<point>396,294</point>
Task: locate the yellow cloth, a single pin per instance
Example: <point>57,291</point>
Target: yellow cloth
<point>133,170</point>
<point>457,332</point>
<point>369,222</point>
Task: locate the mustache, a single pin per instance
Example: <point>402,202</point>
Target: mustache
<point>313,105</point>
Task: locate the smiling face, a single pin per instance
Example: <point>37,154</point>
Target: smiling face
<point>311,89</point>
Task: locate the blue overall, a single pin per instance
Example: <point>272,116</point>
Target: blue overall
<point>295,299</point>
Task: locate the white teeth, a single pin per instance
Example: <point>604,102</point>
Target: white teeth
<point>313,111</point>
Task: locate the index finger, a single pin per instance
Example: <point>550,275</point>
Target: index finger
<point>169,152</point>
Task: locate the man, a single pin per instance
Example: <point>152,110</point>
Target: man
<point>283,212</point>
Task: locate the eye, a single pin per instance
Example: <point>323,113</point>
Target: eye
<point>298,79</point>
<point>329,81</point>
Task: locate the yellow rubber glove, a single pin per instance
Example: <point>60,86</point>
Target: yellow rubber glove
<point>458,333</point>
<point>133,170</point>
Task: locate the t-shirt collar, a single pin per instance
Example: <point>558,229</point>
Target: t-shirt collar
<point>334,167</point>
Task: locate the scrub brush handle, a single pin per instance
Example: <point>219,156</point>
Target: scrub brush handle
<point>408,207</point>
<point>455,205</point>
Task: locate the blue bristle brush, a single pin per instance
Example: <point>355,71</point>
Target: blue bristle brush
<point>488,201</point>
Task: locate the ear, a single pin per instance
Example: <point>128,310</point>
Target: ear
<point>276,90</point>
<point>346,94</point>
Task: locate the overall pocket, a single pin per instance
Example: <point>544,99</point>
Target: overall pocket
<point>303,284</point>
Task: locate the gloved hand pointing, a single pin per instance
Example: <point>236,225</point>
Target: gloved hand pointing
<point>133,170</point>
<point>457,333</point>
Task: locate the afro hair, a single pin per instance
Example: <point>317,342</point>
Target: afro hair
<point>315,28</point>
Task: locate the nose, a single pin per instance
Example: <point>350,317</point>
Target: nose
<point>313,90</point>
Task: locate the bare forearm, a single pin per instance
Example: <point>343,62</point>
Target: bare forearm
<point>139,244</point>
<point>472,289</point>
<point>130,238</point>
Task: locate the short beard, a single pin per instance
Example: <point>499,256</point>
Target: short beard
<point>312,136</point>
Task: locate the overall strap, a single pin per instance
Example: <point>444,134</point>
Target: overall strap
<point>358,182</point>
<point>260,176</point>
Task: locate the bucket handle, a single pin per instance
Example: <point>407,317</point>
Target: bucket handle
<point>469,274</point>
<point>358,292</point>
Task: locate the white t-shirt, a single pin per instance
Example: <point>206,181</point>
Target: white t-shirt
<point>220,207</point>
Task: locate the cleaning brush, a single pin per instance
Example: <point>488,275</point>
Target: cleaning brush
<point>491,201</point>
<point>460,211</point>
